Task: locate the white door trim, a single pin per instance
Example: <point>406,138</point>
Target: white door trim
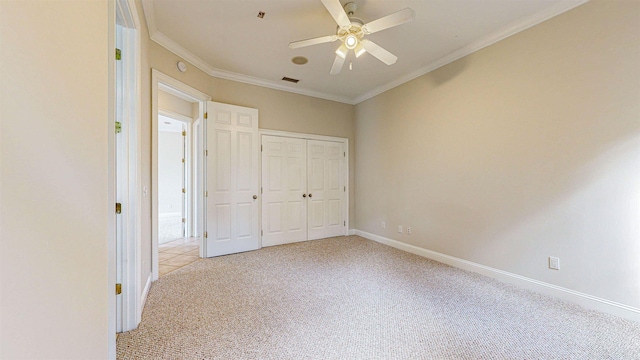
<point>161,81</point>
<point>129,253</point>
<point>344,141</point>
<point>304,136</point>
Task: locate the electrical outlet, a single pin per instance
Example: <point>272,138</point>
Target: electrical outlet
<point>400,229</point>
<point>383,225</point>
<point>408,230</point>
<point>554,263</point>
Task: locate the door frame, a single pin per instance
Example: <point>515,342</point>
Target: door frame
<point>128,254</point>
<point>345,144</point>
<point>161,81</point>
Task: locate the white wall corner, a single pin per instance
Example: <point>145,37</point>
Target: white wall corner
<point>585,300</point>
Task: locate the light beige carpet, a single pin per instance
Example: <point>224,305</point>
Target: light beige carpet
<point>351,298</point>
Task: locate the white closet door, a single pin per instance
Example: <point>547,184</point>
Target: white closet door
<point>232,143</point>
<point>325,189</point>
<point>284,184</point>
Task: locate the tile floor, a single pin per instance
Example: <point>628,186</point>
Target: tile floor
<point>175,254</point>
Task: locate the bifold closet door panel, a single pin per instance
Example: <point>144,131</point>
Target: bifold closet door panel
<point>284,184</point>
<point>325,187</point>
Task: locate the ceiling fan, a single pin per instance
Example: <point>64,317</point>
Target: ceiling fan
<point>352,30</point>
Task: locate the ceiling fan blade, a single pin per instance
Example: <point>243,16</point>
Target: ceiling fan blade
<point>395,19</point>
<point>314,41</point>
<point>337,65</point>
<point>337,11</point>
<point>377,51</point>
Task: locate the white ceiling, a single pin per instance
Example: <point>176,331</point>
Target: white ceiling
<point>226,39</point>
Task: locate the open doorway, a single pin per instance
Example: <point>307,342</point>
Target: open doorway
<point>172,179</point>
<point>177,174</point>
<point>178,244</point>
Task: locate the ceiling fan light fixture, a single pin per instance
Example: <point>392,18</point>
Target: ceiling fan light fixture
<point>359,50</point>
<point>351,41</point>
<point>342,51</point>
<point>351,31</point>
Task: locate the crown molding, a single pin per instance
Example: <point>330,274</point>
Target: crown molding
<point>503,33</point>
<point>491,39</point>
<point>228,75</point>
<point>174,47</point>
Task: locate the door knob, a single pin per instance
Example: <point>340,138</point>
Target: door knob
<point>255,197</point>
<point>304,195</point>
<point>310,195</point>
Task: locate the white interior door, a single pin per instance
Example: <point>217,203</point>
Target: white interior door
<point>284,186</point>
<point>326,189</point>
<point>232,179</point>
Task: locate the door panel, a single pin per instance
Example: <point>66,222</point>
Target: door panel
<point>326,218</point>
<point>223,222</point>
<point>284,182</point>
<point>232,223</point>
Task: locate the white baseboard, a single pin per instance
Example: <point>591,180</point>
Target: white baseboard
<point>143,296</point>
<point>351,232</point>
<point>586,300</point>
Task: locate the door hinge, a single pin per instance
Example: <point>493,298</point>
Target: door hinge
<point>118,127</point>
<point>118,208</point>
<point>260,190</point>
<point>345,189</point>
<point>206,153</point>
<point>184,220</point>
<point>206,115</point>
<point>260,147</point>
<point>344,154</point>
<point>344,223</point>
<point>118,54</point>
<point>261,232</point>
<point>183,160</point>
<point>206,234</point>
<point>118,289</point>
<point>184,191</point>
<point>206,194</point>
<point>184,133</point>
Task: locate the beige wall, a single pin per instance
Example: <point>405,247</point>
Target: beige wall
<point>145,148</point>
<point>54,190</point>
<point>174,104</point>
<point>527,149</point>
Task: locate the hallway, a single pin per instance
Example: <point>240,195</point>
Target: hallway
<point>175,254</point>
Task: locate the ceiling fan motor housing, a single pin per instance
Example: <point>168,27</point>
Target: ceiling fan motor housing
<point>356,23</point>
<point>350,8</point>
<point>355,28</point>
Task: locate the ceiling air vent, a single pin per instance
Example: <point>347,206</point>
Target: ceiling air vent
<point>295,81</point>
